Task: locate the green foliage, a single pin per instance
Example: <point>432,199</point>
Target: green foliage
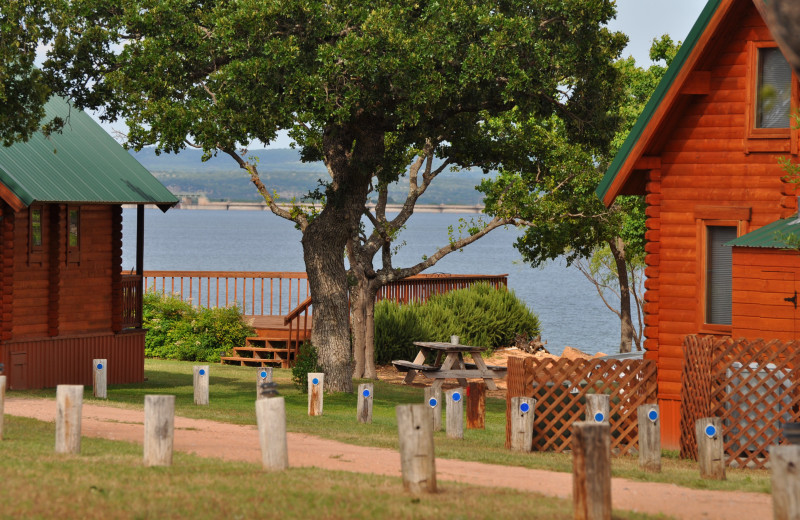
<point>178,331</point>
<point>480,316</point>
<point>305,364</point>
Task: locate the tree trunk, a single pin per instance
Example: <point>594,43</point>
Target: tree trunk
<point>626,324</point>
<point>369,337</point>
<point>358,312</point>
<point>323,251</point>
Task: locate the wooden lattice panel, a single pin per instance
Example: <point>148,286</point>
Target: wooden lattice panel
<point>753,388</point>
<point>696,390</point>
<point>560,388</point>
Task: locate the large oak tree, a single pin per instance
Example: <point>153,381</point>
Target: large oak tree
<point>362,86</point>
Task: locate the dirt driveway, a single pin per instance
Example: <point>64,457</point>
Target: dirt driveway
<point>209,439</point>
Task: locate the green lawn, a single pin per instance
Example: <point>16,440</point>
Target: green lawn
<point>232,395</point>
<point>107,481</point>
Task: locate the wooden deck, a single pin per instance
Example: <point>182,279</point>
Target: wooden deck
<point>274,343</point>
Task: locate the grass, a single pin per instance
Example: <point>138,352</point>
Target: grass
<point>232,397</point>
<point>108,481</point>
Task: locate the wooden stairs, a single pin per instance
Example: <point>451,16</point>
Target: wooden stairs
<point>271,346</point>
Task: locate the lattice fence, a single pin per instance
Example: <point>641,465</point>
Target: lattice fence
<point>751,384</point>
<point>560,387</point>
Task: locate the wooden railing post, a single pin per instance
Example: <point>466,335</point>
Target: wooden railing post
<point>263,377</point>
<point>69,403</point>
<point>100,378</point>
<point>522,417</point>
<point>433,400</point>
<point>455,413</point>
<point>200,379</point>
<point>364,407</point>
<point>649,438</point>
<point>159,429</point>
<point>316,384</point>
<point>710,448</point>
<point>271,419</point>
<point>591,470</point>
<point>417,458</point>
<point>597,408</point>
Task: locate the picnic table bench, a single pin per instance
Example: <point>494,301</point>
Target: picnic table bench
<point>449,364</point>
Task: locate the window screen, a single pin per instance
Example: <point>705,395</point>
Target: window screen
<point>718,274</point>
<point>774,89</point>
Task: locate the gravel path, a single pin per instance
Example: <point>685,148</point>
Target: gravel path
<point>211,439</point>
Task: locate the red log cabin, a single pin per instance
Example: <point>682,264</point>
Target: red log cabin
<point>705,153</point>
<point>63,298</point>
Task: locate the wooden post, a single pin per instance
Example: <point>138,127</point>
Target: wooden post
<point>433,400</point>
<point>271,419</point>
<point>785,461</point>
<point>264,375</point>
<point>316,384</point>
<point>100,371</point>
<point>417,459</point>
<point>2,403</point>
<point>597,408</point>
<point>69,403</point>
<point>649,438</point>
<point>455,413</point>
<point>364,407</point>
<point>159,429</point>
<point>476,405</point>
<point>710,448</point>
<point>591,470</point>
<point>522,415</point>
<point>200,384</point>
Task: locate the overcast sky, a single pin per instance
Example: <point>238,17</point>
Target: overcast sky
<point>641,20</point>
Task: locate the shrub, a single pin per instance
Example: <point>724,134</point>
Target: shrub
<point>305,363</point>
<point>178,331</point>
<point>480,315</point>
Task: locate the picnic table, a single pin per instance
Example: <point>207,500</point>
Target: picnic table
<point>449,364</point>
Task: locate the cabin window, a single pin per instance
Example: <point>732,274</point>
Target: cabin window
<point>773,89</point>
<point>719,274</point>
<point>73,234</point>
<point>36,229</point>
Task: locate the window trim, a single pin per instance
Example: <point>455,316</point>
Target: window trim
<point>766,139</point>
<point>702,262</point>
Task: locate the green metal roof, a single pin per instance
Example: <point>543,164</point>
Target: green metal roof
<point>81,164</point>
<point>770,236</point>
<point>658,96</point>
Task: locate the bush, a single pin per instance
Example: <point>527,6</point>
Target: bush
<point>480,315</point>
<point>305,363</point>
<point>178,331</point>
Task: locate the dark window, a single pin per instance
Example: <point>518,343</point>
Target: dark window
<point>73,234</point>
<point>36,229</point>
<point>719,274</point>
<point>774,89</point>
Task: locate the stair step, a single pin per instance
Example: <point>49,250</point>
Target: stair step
<point>261,349</point>
<point>253,362</point>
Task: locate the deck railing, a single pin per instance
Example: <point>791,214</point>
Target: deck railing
<point>131,302</point>
<point>288,294</point>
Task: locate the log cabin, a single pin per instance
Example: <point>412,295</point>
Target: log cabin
<point>64,300</point>
<point>704,153</point>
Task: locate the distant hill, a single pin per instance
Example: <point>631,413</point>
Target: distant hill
<point>281,170</point>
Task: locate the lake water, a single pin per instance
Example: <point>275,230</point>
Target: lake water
<point>569,309</point>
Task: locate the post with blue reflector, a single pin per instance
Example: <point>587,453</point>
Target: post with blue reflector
<point>263,378</point>
<point>364,409</point>
<point>710,448</point>
<point>433,400</point>
<point>316,384</point>
<point>417,458</point>
<point>649,438</point>
<point>200,384</point>
<point>454,410</point>
<point>597,408</point>
<point>522,415</point>
<point>100,378</point>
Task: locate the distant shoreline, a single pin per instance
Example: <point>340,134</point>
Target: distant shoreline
<point>390,208</point>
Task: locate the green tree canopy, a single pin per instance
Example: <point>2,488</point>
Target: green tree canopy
<point>364,86</point>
